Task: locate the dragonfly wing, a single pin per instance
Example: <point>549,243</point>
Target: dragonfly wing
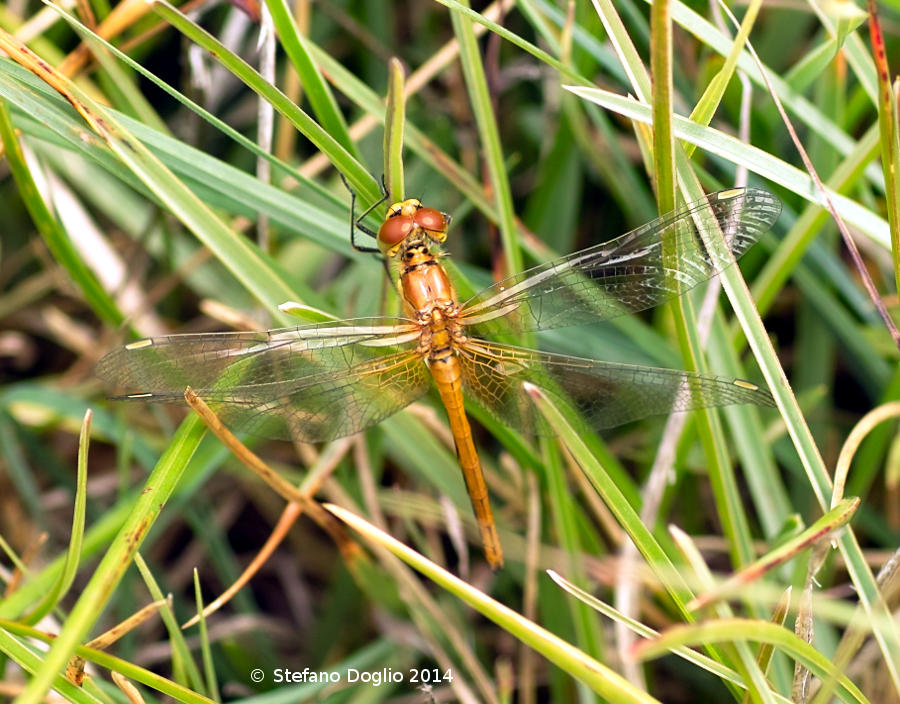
<point>605,394</point>
<point>169,363</point>
<point>313,382</point>
<point>340,399</point>
<point>627,274</point>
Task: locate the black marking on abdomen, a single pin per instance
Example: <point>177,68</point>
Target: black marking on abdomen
<point>413,267</point>
<point>441,353</point>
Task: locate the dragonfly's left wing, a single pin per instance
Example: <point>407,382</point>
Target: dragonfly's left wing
<point>627,274</point>
<point>312,382</point>
<point>605,394</point>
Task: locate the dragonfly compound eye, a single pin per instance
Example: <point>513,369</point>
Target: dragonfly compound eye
<point>434,222</point>
<point>394,230</point>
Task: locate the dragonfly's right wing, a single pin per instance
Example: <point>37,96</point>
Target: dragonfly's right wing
<point>605,394</point>
<point>313,382</point>
<point>628,274</point>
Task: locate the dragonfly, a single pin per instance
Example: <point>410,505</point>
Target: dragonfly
<point>323,381</point>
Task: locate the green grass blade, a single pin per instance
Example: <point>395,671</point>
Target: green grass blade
<point>117,559</point>
<point>100,658</point>
<point>712,97</point>
<point>394,125</point>
<point>315,88</point>
<point>30,661</point>
<point>890,136</point>
<point>480,99</point>
<point>183,661</point>
<point>73,553</point>
<point>737,629</point>
<point>57,239</point>
<point>361,180</point>
<point>607,683</point>
<point>209,671</point>
<point>221,125</point>
<point>756,160</point>
<point>661,102</point>
<point>612,496</point>
<point>688,654</point>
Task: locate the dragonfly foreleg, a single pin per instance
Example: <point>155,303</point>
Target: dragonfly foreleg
<point>356,223</point>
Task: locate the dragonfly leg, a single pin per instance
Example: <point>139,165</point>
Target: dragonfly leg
<point>356,222</point>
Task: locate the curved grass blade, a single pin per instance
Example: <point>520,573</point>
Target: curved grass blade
<point>54,235</point>
<point>610,685</point>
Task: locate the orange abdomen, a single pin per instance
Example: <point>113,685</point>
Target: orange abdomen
<point>447,378</point>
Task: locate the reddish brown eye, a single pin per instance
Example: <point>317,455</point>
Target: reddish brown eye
<point>394,230</point>
<point>431,220</point>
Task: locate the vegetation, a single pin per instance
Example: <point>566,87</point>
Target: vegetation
<point>141,196</point>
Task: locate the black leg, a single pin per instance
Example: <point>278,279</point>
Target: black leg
<point>356,222</point>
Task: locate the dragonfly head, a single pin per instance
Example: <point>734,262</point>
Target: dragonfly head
<point>408,221</point>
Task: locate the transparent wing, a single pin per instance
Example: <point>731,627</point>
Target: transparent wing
<point>605,394</point>
<point>314,382</point>
<point>627,274</point>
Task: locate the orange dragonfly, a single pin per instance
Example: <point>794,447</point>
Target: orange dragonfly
<point>324,381</point>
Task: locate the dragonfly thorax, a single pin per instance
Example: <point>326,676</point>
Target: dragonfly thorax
<point>424,284</point>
